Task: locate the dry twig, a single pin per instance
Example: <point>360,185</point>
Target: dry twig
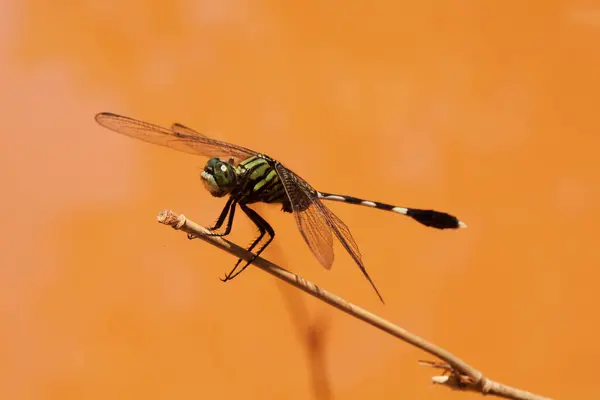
<point>457,374</point>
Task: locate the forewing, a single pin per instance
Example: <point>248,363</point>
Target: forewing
<point>181,138</point>
<point>181,129</point>
<point>317,217</point>
<point>311,222</point>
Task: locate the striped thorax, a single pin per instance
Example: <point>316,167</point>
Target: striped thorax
<point>253,180</point>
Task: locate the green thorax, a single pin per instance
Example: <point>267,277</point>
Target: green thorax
<point>258,182</point>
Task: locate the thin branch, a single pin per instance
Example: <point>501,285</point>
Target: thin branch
<point>457,375</point>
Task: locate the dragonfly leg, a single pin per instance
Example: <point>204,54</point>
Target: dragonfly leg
<point>228,209</point>
<point>221,219</point>
<point>263,227</point>
<point>261,231</point>
<point>229,222</point>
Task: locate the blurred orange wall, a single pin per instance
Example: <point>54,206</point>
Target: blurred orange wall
<point>487,110</point>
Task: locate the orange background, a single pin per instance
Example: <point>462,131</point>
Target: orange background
<point>488,111</point>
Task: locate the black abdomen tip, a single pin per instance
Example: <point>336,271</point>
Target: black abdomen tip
<point>435,219</point>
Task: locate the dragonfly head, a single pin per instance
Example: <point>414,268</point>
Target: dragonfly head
<point>219,177</point>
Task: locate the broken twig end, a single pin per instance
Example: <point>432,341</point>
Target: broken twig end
<point>168,217</point>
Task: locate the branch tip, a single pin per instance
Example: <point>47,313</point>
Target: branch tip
<point>168,217</point>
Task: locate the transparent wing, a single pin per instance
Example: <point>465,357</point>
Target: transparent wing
<point>179,138</point>
<point>317,234</point>
<point>342,232</point>
<point>311,222</point>
<point>181,129</point>
<point>316,222</point>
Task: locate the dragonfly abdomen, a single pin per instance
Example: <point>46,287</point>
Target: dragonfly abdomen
<point>431,218</point>
<point>368,203</point>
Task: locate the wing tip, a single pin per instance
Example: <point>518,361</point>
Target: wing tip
<point>327,262</point>
<point>101,117</point>
<point>106,114</point>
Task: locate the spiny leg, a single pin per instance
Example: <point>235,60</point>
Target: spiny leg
<point>229,222</point>
<point>221,219</point>
<point>261,230</point>
<point>263,227</point>
<point>233,273</point>
<point>256,219</point>
<point>228,209</point>
<point>431,218</point>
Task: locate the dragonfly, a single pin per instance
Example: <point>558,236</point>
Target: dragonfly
<point>249,177</point>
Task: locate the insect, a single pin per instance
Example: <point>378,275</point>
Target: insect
<point>249,177</point>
